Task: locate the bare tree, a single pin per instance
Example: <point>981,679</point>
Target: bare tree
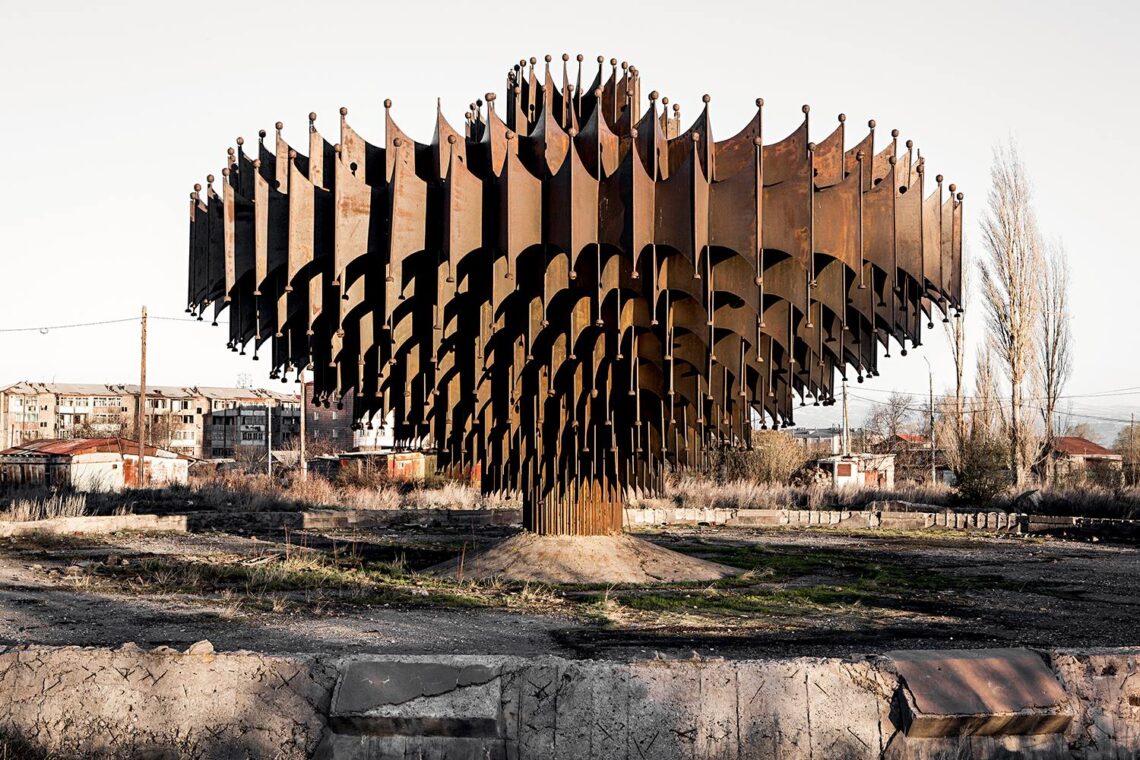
<point>1010,297</point>
<point>954,427</point>
<point>985,408</point>
<point>1054,354</point>
<point>889,419</point>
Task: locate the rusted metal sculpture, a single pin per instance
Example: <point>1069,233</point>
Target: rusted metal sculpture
<point>572,301</point>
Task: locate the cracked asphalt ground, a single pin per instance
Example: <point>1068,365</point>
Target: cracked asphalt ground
<point>807,592</point>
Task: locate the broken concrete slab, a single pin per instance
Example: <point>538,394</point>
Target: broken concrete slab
<point>987,692</point>
<point>399,697</point>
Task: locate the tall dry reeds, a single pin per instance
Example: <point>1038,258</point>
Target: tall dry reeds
<point>45,507</point>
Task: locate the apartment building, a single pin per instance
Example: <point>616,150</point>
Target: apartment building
<point>332,428</point>
<point>201,422</point>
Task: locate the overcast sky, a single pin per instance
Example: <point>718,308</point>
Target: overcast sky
<point>112,111</point>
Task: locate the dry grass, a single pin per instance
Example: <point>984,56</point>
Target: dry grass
<point>1089,500</point>
<point>702,493</point>
<point>259,493</point>
<point>30,508</point>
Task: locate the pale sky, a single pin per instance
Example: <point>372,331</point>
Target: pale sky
<point>112,111</point>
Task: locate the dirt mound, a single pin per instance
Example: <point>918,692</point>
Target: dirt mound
<point>581,559</point>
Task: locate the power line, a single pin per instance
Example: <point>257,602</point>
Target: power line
<point>44,329</point>
<point>48,328</point>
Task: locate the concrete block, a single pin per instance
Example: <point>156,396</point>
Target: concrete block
<point>983,692</point>
<point>1105,684</point>
<point>538,685</point>
<point>718,726</point>
<point>844,700</point>
<point>772,705</point>
<point>665,702</point>
<point>576,695</point>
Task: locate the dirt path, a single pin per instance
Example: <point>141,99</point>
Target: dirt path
<point>1005,592</point>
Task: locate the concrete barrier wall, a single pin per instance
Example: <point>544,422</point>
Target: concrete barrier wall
<point>129,703</point>
<point>83,702</point>
<point>95,524</point>
<point>311,520</point>
<point>873,518</point>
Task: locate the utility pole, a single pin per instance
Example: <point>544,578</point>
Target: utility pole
<point>269,437</point>
<point>141,476</point>
<point>304,464</point>
<point>846,430</point>
<point>933,469</point>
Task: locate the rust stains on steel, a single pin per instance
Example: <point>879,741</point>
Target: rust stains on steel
<point>569,296</point>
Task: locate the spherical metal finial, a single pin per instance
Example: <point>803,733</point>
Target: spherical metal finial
<point>490,97</point>
<point>522,62</point>
<point>961,196</point>
<point>197,187</point>
<point>257,163</point>
<point>533,60</point>
<point>468,116</point>
<point>938,178</point>
<point>806,108</point>
<point>343,111</point>
<point>452,139</point>
<point>653,95</point>
<point>871,124</point>
<point>336,148</point>
<point>894,133</point>
<point>510,135</point>
<point>860,155</point>
<point>280,126</point>
<point>230,152</point>
<point>953,187</point>
<point>397,141</point>
<point>696,137</point>
<point>565,57</point>
<point>677,108</point>
<point>909,144</point>
<point>842,118</point>
<point>891,160</point>
<point>758,142</point>
<point>580,57</point>
<point>292,153</point>
<point>601,59</point>
<point>240,140</point>
<point>261,133</point>
<point>193,196</point>
<point>811,147</point>
<point>226,172</point>
<point>209,179</point>
<point>624,65</point>
<point>613,61</point>
<point>573,132</point>
<point>548,58</point>
<point>387,102</point>
<point>705,98</point>
<point>598,92</point>
<point>312,115</point>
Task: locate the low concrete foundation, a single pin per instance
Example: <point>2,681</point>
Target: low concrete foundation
<point>322,519</point>
<point>130,703</point>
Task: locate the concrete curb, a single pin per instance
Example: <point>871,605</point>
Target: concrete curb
<point>130,703</point>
